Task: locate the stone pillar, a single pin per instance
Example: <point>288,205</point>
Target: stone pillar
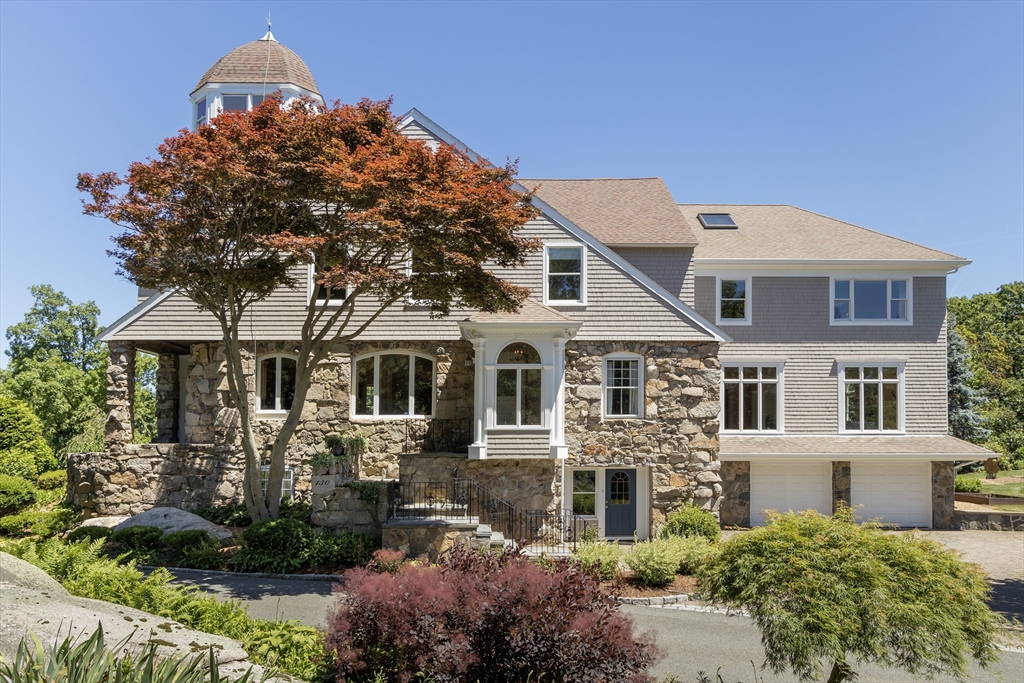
<point>943,500</point>
<point>841,484</point>
<point>120,396</point>
<point>735,510</point>
<point>167,397</point>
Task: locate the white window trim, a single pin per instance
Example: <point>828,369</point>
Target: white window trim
<point>287,481</point>
<point>641,381</point>
<point>572,490</point>
<point>311,290</point>
<point>519,367</point>
<point>376,386</point>
<point>841,382</point>
<point>888,300</point>
<point>195,113</point>
<point>780,373</point>
<point>748,318</point>
<point>583,273</point>
<point>276,412</point>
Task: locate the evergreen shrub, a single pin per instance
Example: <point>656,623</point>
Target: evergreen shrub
<point>603,556</point>
<point>15,493</point>
<point>967,485</point>
<point>52,480</point>
<point>654,562</point>
<point>88,533</point>
<point>691,521</point>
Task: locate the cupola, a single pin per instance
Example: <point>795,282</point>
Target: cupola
<point>243,77</point>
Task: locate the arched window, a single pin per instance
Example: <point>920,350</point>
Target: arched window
<point>393,384</point>
<point>275,379</point>
<point>518,401</point>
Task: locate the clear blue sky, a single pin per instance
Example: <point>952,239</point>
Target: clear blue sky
<point>907,117</point>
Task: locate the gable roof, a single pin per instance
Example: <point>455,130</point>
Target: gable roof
<point>532,311</point>
<point>779,231</point>
<point>618,211</point>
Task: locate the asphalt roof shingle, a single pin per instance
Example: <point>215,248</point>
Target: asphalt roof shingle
<point>617,211</point>
<point>261,61</point>
<point>939,445</point>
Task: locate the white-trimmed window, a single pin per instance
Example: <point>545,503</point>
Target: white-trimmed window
<point>752,397</point>
<point>287,481</point>
<point>275,379</point>
<point>201,114</point>
<point>732,300</point>
<point>318,293</point>
<point>393,384</point>
<point>622,381</point>
<point>517,401</point>
<point>238,102</point>
<point>871,301</point>
<point>565,271</point>
<point>871,397</point>
<point>584,492</point>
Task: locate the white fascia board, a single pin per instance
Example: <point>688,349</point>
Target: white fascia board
<point>583,236</point>
<point>132,315</point>
<point>822,267</point>
<point>763,457</point>
<point>627,268</point>
<point>651,245</point>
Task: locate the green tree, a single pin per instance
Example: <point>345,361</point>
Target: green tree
<point>22,432</point>
<point>826,591</point>
<point>963,399</point>
<point>56,326</point>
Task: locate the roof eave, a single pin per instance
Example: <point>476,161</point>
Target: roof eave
<point>713,263</point>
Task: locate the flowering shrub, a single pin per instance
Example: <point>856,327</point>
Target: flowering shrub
<point>487,618</point>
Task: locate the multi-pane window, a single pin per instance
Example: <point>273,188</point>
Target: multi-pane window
<point>733,300</point>
<point>751,398</point>
<point>618,489</point>
<point>870,398</point>
<point>200,112</point>
<point>276,383</point>
<point>393,385</point>
<point>518,393</point>
<point>235,103</point>
<point>565,274</point>
<point>870,300</point>
<point>584,492</point>
<point>322,293</point>
<point>287,481</point>
<point>622,394</point>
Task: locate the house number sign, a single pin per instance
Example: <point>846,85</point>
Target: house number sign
<point>323,484</point>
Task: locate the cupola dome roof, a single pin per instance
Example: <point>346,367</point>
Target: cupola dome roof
<point>261,61</point>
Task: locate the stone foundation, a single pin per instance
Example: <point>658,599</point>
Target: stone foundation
<point>527,484</point>
<point>344,510</point>
<point>735,509</point>
<point>971,520</point>
<point>430,538</point>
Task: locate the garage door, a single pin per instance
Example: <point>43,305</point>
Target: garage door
<point>784,486</point>
<point>895,493</point>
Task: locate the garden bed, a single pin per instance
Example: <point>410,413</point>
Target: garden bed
<point>631,588</point>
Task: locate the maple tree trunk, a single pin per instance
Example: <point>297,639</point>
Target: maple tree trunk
<point>252,489</point>
<point>841,671</point>
<point>304,366</point>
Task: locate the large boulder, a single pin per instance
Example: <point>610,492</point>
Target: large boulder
<point>30,603</point>
<point>174,519</point>
<point>108,522</point>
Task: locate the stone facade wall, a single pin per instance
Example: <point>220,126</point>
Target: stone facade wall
<point>972,520</point>
<point>943,496</point>
<point>841,483</point>
<point>344,510</point>
<point>167,397</point>
<point>532,484</point>
<point>735,510</point>
<point>120,430</point>
<point>139,477</point>
<point>678,437</point>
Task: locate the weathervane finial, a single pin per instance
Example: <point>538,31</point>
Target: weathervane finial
<point>269,36</point>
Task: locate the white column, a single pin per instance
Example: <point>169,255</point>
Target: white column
<point>478,451</point>
<point>559,451</point>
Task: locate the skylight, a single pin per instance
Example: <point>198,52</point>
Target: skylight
<point>717,221</point>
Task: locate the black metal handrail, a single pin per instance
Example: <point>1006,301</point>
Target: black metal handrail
<point>466,500</point>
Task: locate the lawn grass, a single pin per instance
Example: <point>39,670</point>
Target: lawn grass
<point>1009,508</point>
<point>993,487</point>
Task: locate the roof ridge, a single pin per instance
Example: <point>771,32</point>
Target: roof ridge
<point>595,179</point>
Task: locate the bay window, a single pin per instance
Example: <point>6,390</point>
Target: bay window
<point>275,379</point>
<point>391,384</point>
<point>870,399</point>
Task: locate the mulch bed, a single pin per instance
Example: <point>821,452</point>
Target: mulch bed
<point>630,588</point>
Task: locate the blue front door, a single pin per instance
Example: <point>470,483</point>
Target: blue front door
<point>620,503</point>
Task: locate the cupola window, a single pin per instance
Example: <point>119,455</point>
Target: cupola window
<point>200,112</point>
<point>235,103</point>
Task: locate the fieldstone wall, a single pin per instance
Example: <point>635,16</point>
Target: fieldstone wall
<point>735,509</point>
<point>943,496</point>
<point>678,436</point>
<point>119,430</point>
<point>167,397</point>
<point>974,520</point>
<point>210,419</point>
<point>344,510</point>
<point>532,484</point>
<point>841,495</point>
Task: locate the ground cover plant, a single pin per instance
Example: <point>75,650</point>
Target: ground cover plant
<point>89,660</point>
<point>83,570</point>
<point>486,617</point>
<point>826,592</point>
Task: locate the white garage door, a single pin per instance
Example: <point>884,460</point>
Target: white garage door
<point>895,493</point>
<point>794,485</point>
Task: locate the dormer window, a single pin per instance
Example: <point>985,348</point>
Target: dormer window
<point>200,113</point>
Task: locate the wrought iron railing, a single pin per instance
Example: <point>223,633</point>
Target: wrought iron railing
<point>461,499</point>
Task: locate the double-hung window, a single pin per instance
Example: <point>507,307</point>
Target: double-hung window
<point>518,391</point>
<point>393,385</point>
<point>752,398</point>
<point>733,301</point>
<point>564,274</point>
<point>871,302</point>
<point>276,380</point>
<point>320,293</point>
<point>287,482</point>
<point>870,397</point>
<point>623,386</point>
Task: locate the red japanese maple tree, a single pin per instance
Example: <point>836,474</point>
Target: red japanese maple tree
<point>227,214</point>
